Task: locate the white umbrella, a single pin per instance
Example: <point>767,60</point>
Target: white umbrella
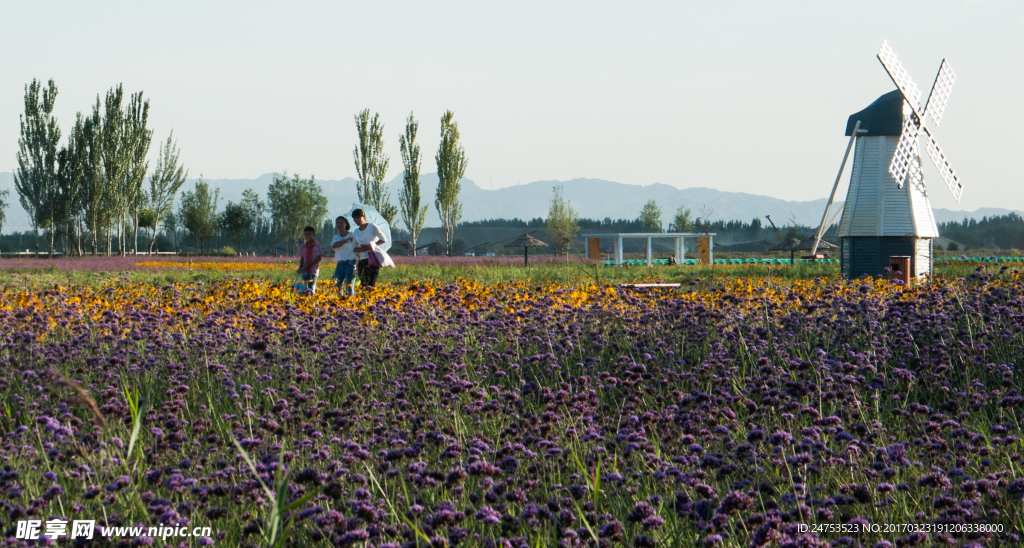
<point>372,216</point>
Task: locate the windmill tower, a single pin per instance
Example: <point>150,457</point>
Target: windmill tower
<point>887,212</point>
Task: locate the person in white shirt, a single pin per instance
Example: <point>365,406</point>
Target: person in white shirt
<point>343,244</point>
<point>366,234</point>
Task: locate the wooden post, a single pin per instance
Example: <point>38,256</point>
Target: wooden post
<point>594,248</point>
<point>704,250</point>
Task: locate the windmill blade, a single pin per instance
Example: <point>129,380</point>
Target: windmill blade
<point>906,151</point>
<point>942,164</point>
<point>900,77</point>
<point>935,106</point>
<point>916,177</point>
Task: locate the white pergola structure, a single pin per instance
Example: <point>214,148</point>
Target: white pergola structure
<point>679,238</point>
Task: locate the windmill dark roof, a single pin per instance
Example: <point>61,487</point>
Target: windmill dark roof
<point>526,241</point>
<point>883,117</point>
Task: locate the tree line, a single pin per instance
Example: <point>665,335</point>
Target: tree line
<point>92,186</point>
<point>372,163</point>
<point>995,232</point>
<point>88,194</point>
<point>294,203</point>
<point>562,224</point>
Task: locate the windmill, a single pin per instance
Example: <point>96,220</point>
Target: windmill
<point>887,213</point>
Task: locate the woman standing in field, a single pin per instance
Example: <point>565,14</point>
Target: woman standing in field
<point>366,235</point>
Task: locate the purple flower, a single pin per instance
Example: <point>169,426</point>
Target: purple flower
<point>780,438</point>
<point>640,512</point>
<point>653,523</point>
<point>488,515</point>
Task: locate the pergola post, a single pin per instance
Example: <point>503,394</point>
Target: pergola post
<point>593,248</point>
<point>649,255</point>
<point>679,250</point>
<point>711,249</point>
<point>618,251</point>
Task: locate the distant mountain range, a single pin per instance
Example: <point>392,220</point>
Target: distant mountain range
<point>593,198</point>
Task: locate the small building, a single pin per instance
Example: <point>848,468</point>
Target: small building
<point>401,247</point>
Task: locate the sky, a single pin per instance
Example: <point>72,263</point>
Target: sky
<point>741,96</point>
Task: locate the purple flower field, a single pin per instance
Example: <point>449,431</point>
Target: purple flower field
<point>743,413</point>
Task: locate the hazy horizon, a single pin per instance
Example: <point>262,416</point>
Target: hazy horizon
<point>745,97</point>
<point>591,198</point>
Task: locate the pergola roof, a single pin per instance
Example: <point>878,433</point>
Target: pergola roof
<point>807,244</point>
<point>526,241</point>
<point>788,245</point>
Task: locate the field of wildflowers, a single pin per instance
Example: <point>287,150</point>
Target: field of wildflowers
<point>739,411</point>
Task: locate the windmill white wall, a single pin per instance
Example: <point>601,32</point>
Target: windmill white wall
<point>875,204</point>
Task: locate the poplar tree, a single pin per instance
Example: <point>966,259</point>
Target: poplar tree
<point>235,221</point>
<point>93,193</point>
<point>372,165</point>
<point>70,180</point>
<point>451,166</point>
<point>125,144</point>
<point>4,194</point>
<point>171,224</point>
<point>562,223</point>
<point>199,212</point>
<point>294,204</point>
<point>255,211</point>
<point>137,139</point>
<point>168,177</point>
<point>35,179</point>
<point>116,160</point>
<point>413,214</point>
<point>650,216</point>
<point>683,220</point>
